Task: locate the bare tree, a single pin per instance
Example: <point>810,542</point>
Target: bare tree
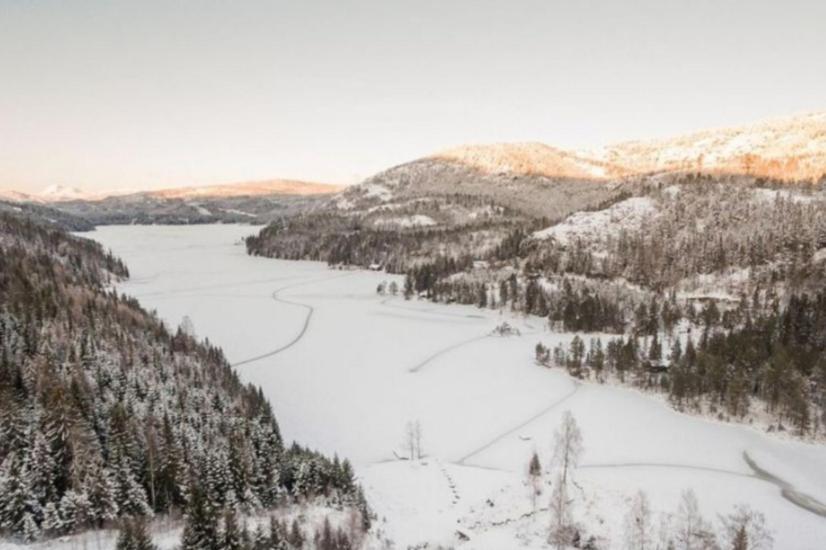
<point>567,444</point>
<point>413,440</point>
<point>745,529</point>
<point>417,438</point>
<point>638,528</point>
<point>534,479</point>
<point>563,530</point>
<point>410,439</point>
<point>692,531</point>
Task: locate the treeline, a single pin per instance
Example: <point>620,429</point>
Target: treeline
<point>701,228</point>
<point>206,530</point>
<point>105,414</point>
<point>774,360</point>
<point>465,226</point>
<point>568,303</point>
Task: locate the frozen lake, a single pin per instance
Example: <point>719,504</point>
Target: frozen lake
<point>346,369</point>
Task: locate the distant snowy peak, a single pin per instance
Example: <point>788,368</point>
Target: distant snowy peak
<point>254,188</point>
<point>785,149</point>
<point>57,193</point>
<point>14,196</point>
<point>529,159</point>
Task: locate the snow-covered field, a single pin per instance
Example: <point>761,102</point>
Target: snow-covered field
<point>347,369</point>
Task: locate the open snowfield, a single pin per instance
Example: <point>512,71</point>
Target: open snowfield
<point>346,369</point>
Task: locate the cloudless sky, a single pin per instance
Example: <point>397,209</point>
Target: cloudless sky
<point>145,93</point>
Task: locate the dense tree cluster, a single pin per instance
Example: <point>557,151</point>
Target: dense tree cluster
<point>206,528</point>
<point>774,358</point>
<point>105,414</point>
<point>698,229</point>
<point>463,226</point>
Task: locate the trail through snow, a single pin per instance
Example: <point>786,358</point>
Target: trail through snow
<point>304,326</point>
<point>484,405</point>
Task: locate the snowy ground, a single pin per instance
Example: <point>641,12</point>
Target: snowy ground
<point>346,369</point>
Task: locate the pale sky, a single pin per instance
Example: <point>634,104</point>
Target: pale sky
<point>141,94</point>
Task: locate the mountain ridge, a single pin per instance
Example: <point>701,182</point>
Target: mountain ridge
<point>785,149</point>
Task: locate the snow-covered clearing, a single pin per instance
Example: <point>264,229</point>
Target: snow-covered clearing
<point>346,369</point>
<point>598,225</point>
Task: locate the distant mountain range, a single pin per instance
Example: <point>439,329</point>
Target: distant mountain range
<point>790,149</point>
<point>529,179</point>
<point>469,199</point>
<point>246,202</point>
<point>63,193</point>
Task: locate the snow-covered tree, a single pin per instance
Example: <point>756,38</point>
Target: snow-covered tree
<point>563,530</point>
<point>534,479</point>
<point>567,445</point>
<point>745,529</point>
<point>76,511</point>
<point>638,528</point>
<point>52,524</point>
<point>692,532</point>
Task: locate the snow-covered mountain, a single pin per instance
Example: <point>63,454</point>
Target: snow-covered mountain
<point>790,149</point>
<point>530,159</point>
<point>248,189</point>
<point>246,202</point>
<point>57,193</point>
<point>14,196</point>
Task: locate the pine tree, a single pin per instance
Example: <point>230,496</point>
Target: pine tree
<point>99,490</point>
<point>76,511</point>
<point>200,523</point>
<point>31,531</point>
<point>296,537</point>
<point>52,522</point>
<point>231,536</point>
<point>134,535</point>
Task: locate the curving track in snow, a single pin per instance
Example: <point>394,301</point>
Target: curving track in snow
<point>305,325</point>
<point>787,490</point>
<point>514,429</point>
<point>444,351</point>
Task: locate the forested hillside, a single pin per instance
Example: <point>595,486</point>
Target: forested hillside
<point>105,414</point>
<point>716,250</point>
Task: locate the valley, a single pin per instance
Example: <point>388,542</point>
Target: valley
<point>346,371</point>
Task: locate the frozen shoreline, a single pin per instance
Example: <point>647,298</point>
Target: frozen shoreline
<point>345,385</point>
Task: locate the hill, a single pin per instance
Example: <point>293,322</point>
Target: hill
<point>106,414</point>
<point>789,150</point>
<point>250,202</point>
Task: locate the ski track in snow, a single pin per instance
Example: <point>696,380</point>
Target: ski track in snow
<point>460,485</point>
<point>185,290</point>
<point>310,310</point>
<point>787,490</point>
<point>430,311</point>
<point>511,431</point>
<point>418,367</point>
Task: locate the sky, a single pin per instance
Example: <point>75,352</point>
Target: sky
<point>147,94</point>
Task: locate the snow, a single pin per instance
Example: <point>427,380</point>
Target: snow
<point>353,373</point>
<point>58,192</point>
<point>416,220</point>
<point>627,214</point>
<point>374,190</point>
<point>201,210</point>
<point>166,532</point>
<point>238,212</point>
